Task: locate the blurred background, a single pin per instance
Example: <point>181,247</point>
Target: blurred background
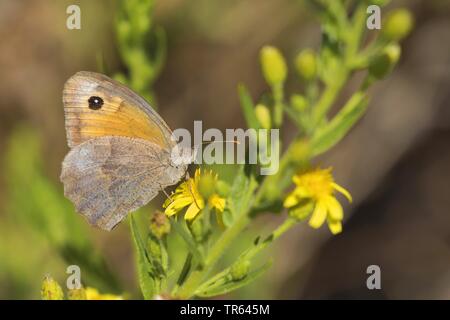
<point>396,162</point>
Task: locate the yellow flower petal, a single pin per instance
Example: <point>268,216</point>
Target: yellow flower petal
<point>319,215</point>
<point>290,201</point>
<point>217,202</point>
<point>334,226</point>
<point>192,211</point>
<point>177,205</point>
<point>187,194</point>
<point>343,191</point>
<point>334,208</point>
<point>197,174</point>
<point>317,187</point>
<point>93,294</point>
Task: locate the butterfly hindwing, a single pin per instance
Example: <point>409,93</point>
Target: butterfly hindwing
<point>108,177</point>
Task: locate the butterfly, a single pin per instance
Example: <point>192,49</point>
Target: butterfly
<point>122,153</point>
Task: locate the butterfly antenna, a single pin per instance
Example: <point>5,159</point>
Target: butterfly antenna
<point>217,141</point>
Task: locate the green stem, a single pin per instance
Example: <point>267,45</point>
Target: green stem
<point>328,97</point>
<point>280,230</point>
<point>271,180</point>
<point>357,32</point>
<point>278,107</point>
<point>215,253</point>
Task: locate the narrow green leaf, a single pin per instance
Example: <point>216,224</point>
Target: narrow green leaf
<point>186,269</point>
<point>330,134</point>
<point>226,285</point>
<point>247,107</point>
<point>146,282</point>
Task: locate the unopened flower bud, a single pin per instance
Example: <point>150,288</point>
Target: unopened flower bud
<point>154,247</point>
<point>299,151</point>
<point>207,185</point>
<point>299,102</point>
<point>262,113</point>
<point>398,25</point>
<point>159,224</point>
<point>382,65</point>
<point>306,64</point>
<point>240,270</point>
<point>273,65</point>
<point>223,188</point>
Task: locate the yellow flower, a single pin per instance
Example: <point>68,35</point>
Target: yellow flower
<point>77,294</point>
<point>51,290</point>
<point>315,191</point>
<point>188,194</point>
<point>93,294</point>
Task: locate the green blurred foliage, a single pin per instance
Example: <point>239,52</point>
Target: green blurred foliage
<point>141,44</point>
<point>41,211</point>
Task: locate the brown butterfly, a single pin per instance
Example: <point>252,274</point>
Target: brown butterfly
<point>121,150</point>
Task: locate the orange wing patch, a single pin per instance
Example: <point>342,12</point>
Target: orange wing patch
<point>119,115</point>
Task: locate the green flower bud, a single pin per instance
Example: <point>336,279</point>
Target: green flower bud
<point>273,65</point>
<point>398,25</point>
<point>77,294</point>
<point>240,270</point>
<point>299,151</point>
<point>223,188</point>
<point>306,64</point>
<point>51,290</point>
<point>207,185</point>
<point>382,65</point>
<point>299,102</point>
<point>153,247</point>
<point>262,113</point>
<point>159,224</point>
<point>393,51</point>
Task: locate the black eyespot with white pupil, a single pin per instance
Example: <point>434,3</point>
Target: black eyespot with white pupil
<point>95,102</point>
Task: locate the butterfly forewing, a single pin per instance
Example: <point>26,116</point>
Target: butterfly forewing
<point>118,111</point>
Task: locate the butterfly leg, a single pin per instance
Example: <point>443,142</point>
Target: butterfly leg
<point>168,196</point>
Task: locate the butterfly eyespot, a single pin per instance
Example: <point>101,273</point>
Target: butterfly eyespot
<point>95,102</point>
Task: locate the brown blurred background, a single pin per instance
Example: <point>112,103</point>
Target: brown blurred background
<point>396,162</point>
